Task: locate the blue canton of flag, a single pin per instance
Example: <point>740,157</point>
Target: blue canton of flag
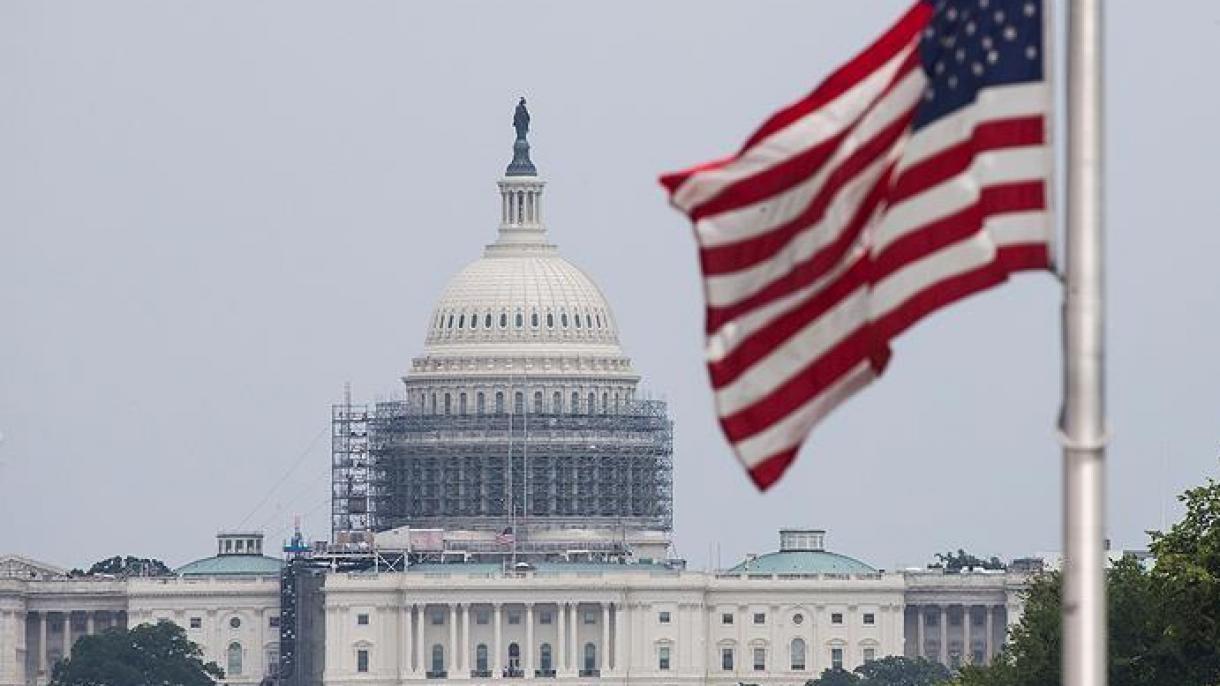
<point>971,44</point>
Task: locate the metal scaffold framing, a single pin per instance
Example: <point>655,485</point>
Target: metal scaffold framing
<point>396,465</point>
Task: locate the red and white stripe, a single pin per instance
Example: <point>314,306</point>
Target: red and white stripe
<point>837,226</point>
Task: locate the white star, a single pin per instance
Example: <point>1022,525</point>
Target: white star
<point>999,16</point>
<point>977,69</point>
<point>940,67</point>
<point>929,94</point>
<point>952,14</point>
<point>1010,33</point>
<point>986,42</point>
<point>960,55</point>
<point>1031,52</point>
<point>993,57</point>
<point>952,82</point>
<point>1030,9</point>
<point>984,3</point>
<point>970,28</point>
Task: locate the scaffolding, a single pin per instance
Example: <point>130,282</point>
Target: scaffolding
<point>397,465</point>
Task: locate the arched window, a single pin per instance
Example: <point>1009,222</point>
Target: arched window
<point>544,657</point>
<point>534,319</point>
<point>474,320</point>
<point>590,657</point>
<point>499,402</point>
<point>487,321</point>
<point>589,407</point>
<point>461,321</point>
<point>447,403</point>
<point>480,657</point>
<point>514,657</point>
<point>575,402</point>
<point>550,320</point>
<point>450,325</point>
<point>797,653</point>
<point>234,659</point>
<point>557,402</point>
<point>520,207</point>
<point>461,403</point>
<point>588,321</point>
<point>433,403</point>
<point>599,320</point>
<point>563,319</point>
<point>605,402</point>
<point>480,405</point>
<point>576,319</point>
<point>423,402</point>
<point>503,320</point>
<point>537,402</point>
<point>438,658</point>
<point>519,402</point>
<point>519,320</point>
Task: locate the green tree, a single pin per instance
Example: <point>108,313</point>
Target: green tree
<point>146,655</point>
<point>835,676</point>
<point>1164,624</point>
<point>126,566</point>
<point>901,671</point>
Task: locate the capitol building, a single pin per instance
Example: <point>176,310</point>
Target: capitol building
<point>509,517</point>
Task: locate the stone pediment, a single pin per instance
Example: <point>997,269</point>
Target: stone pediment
<point>17,567</point>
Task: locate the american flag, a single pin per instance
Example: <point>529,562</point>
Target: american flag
<point>506,536</point>
<point>915,175</point>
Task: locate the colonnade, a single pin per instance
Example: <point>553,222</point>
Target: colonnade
<point>68,624</point>
<point>460,657</point>
<point>967,612</point>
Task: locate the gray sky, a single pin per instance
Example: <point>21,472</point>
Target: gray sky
<point>213,214</point>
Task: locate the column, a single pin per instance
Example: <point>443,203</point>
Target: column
<point>451,663</point>
<point>989,643</point>
<point>529,641</point>
<point>920,630</point>
<point>967,645</point>
<point>421,664</point>
<point>89,623</point>
<point>577,652</point>
<point>497,670</point>
<point>944,635</point>
<point>619,637</point>
<point>67,633</point>
<point>561,639</point>
<point>464,663</point>
<point>42,643</point>
<point>604,651</point>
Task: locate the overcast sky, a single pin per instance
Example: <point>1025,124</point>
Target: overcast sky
<point>213,214</point>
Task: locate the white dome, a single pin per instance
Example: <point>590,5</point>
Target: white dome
<point>521,297</point>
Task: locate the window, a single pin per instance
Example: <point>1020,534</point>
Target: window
<point>796,652</point>
<point>514,617</point>
<point>450,325</point>
<point>760,659</point>
<point>550,320</point>
<point>462,403</point>
<point>196,622</point>
<point>487,321</point>
<point>544,657</point>
<point>575,402</point>
<point>798,618</point>
<point>438,617</point>
<point>362,619</point>
<point>504,320</point>
<point>433,403</point>
<point>514,657</point>
<point>563,319</point>
<point>663,617</point>
<point>235,622</point>
<point>438,658</point>
<point>556,402</point>
<point>480,657</point>
<point>234,659</point>
<point>545,617</point>
<point>836,658</point>
<point>836,618</point>
<point>362,660</point>
<point>537,402</point>
<point>726,618</point>
<point>590,657</point>
<point>520,321</point>
<point>273,621</point>
<point>726,659</point>
<point>870,618</point>
<point>663,658</point>
<point>519,402</point>
<point>870,654</point>
<point>461,321</point>
<point>576,320</point>
<point>499,402</point>
<point>480,404</point>
<point>590,617</point>
<point>760,617</point>
<point>448,403</point>
<point>534,319</point>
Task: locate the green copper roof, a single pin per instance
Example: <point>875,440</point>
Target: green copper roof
<point>232,565</point>
<point>803,562</point>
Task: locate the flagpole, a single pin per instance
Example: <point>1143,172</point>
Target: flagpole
<point>1082,425</point>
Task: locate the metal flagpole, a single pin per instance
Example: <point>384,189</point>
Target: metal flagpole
<point>1082,424</point>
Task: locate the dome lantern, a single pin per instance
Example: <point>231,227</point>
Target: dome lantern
<point>521,195</point>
